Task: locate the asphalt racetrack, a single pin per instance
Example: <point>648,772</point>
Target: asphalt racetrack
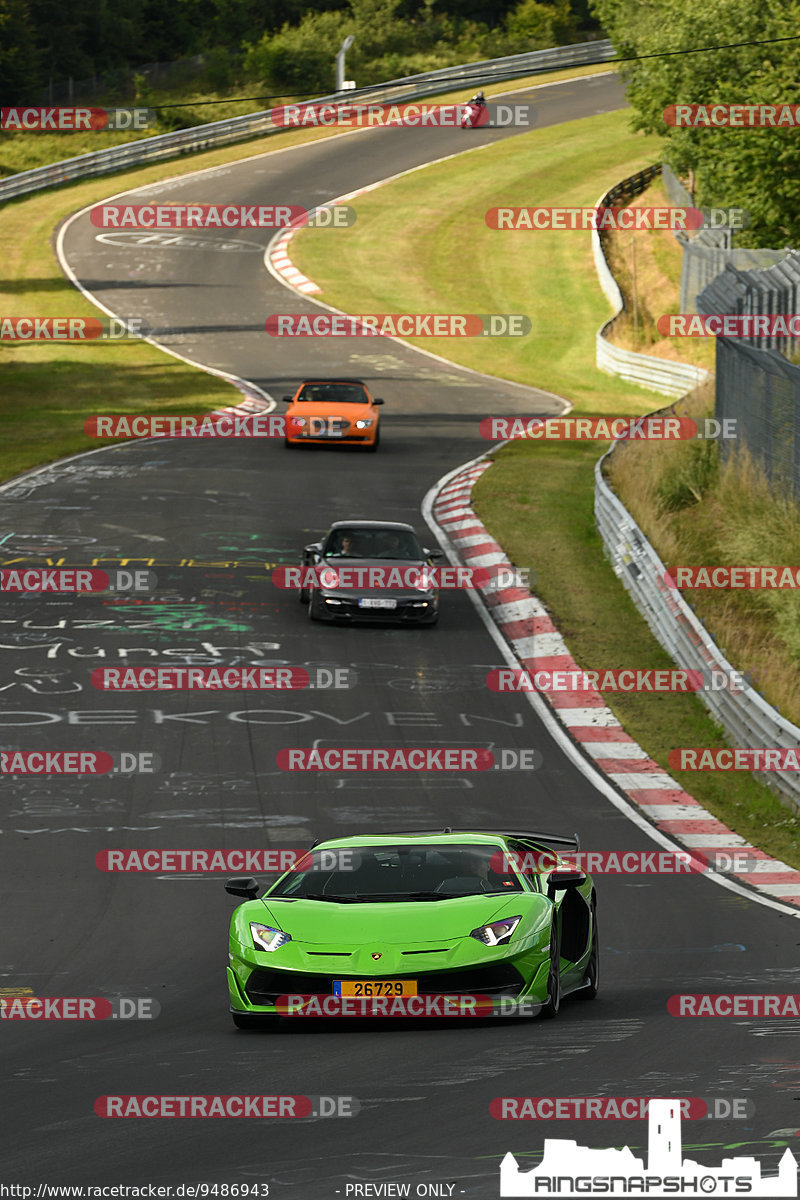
<point>212,518</point>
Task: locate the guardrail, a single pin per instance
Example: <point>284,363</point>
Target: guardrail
<point>252,125</point>
<point>656,374</point>
<point>747,718</point>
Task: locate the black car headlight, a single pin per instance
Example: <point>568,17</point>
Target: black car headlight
<point>496,933</point>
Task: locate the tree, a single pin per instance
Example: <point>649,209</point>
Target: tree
<point>19,60</point>
<point>754,169</point>
<point>535,26</point>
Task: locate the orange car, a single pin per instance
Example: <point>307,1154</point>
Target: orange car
<point>332,410</point>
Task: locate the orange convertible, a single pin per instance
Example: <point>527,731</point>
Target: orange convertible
<point>332,410</point>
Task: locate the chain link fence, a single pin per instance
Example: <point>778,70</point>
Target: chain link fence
<point>755,382</point>
<point>707,252</point>
<point>762,391</point>
<point>120,82</point>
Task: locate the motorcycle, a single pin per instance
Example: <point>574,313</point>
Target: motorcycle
<point>476,113</point>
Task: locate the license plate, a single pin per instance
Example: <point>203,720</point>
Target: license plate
<point>371,602</point>
<point>374,987</point>
<point>325,427</point>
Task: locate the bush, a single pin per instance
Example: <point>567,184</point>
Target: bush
<point>536,26</point>
<point>694,476</point>
<point>300,59</point>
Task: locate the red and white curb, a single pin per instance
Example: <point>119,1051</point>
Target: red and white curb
<point>281,264</point>
<point>529,630</point>
<point>253,403</point>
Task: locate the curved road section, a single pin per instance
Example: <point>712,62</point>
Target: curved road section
<point>212,519</point>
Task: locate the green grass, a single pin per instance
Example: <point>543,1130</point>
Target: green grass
<point>432,221</point>
<point>696,510</point>
<point>538,501</point>
<point>24,151</point>
<point>47,391</point>
<point>538,498</point>
<point>49,388</point>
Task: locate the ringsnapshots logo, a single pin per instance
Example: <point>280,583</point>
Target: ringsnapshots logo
<point>434,325</point>
<point>73,120</point>
<point>72,329</point>
<point>220,216</point>
<point>567,1169</point>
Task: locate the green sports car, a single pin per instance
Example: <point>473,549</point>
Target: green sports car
<point>445,923</point>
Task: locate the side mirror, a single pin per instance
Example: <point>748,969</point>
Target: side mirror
<point>243,885</point>
<point>378,402</point>
<point>559,881</point>
<point>287,399</point>
<point>433,553</point>
<point>312,553</point>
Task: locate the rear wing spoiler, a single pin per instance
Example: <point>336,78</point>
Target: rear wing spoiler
<point>547,839</point>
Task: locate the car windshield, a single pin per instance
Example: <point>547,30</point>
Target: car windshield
<point>399,544</point>
<point>376,874</point>
<point>332,393</point>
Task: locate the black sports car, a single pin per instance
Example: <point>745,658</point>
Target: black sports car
<point>370,571</point>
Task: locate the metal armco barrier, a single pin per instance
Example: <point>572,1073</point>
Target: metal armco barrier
<point>747,718</point>
<point>251,125</point>
<point>755,381</point>
<point>656,374</point>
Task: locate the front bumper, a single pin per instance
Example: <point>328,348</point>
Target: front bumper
<point>255,989</point>
<point>411,611</point>
<point>360,437</point>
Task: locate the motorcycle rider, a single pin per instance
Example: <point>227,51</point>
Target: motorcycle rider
<point>474,108</point>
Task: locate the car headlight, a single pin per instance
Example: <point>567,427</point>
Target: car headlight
<point>267,938</point>
<point>424,583</point>
<point>328,578</point>
<point>297,422</point>
<point>364,423</point>
<point>496,933</point>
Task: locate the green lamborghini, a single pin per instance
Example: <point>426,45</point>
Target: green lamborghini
<point>443,923</point>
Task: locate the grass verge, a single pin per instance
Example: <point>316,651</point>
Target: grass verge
<point>697,510</point>
<point>25,151</point>
<point>648,271</point>
<point>538,498</point>
<point>432,219</point>
<point>48,390</point>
